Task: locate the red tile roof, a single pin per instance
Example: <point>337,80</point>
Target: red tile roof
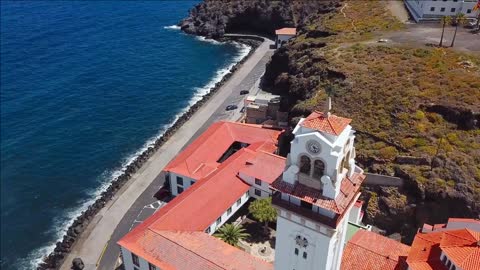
<point>461,247</point>
<point>332,124</point>
<point>370,251</point>
<point>175,250</point>
<point>200,158</point>
<point>173,237</point>
<point>348,189</point>
<point>286,31</point>
<point>264,166</point>
<point>215,193</point>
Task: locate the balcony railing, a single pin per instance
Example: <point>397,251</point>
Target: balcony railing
<point>278,201</point>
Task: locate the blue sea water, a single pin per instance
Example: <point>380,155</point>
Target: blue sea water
<point>85,86</point>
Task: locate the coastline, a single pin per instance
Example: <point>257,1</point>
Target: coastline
<point>77,225</point>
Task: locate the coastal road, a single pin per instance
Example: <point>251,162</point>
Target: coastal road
<point>97,245</point>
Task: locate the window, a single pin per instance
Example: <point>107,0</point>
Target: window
<point>135,260</point>
<point>442,9</point>
<point>151,267</point>
<point>219,220</point>
<point>180,180</point>
<point>449,263</point>
<point>304,255</point>
<point>179,189</point>
<point>192,182</point>
<point>258,182</point>
<point>239,201</point>
<point>452,10</point>
<point>258,192</point>
<point>432,9</point>
<point>453,267</point>
<point>469,11</point>
<point>229,211</point>
<point>318,169</point>
<point>296,251</point>
<point>305,164</point>
<point>444,260</point>
<point>207,230</point>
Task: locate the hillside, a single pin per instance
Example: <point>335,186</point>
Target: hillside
<point>415,109</point>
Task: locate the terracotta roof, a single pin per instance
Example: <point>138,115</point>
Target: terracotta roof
<point>216,193</point>
<point>460,246</point>
<point>200,158</point>
<point>264,166</point>
<point>370,251</point>
<point>348,189</point>
<point>286,31</point>
<point>173,238</point>
<point>332,124</point>
<point>171,250</point>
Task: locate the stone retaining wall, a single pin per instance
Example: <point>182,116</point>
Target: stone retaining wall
<point>373,179</point>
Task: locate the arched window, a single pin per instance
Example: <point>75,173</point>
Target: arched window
<point>348,160</point>
<point>305,164</point>
<point>318,169</point>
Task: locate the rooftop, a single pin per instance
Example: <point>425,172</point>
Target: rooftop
<point>461,247</point>
<point>201,157</point>
<point>332,124</point>
<point>286,31</point>
<point>370,251</point>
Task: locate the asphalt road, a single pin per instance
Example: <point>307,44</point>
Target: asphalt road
<point>142,208</point>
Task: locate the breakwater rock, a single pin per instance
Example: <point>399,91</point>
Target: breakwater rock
<point>213,18</point>
<point>55,259</point>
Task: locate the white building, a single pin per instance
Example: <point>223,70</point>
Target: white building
<point>283,35</point>
<point>428,10</point>
<point>315,190</point>
<point>316,194</point>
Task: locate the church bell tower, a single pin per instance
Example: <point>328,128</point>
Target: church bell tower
<point>316,193</point>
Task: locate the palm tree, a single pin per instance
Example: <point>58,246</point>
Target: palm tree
<point>231,234</point>
<point>445,20</point>
<point>460,19</point>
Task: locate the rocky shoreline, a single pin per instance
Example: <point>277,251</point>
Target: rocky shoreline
<point>55,259</point>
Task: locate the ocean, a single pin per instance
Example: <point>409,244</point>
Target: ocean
<point>85,87</point>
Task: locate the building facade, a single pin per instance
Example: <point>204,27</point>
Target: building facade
<point>283,35</point>
<point>431,10</point>
<point>316,193</point>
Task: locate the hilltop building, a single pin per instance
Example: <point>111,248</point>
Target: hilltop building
<point>431,10</point>
<point>315,190</point>
<point>283,35</point>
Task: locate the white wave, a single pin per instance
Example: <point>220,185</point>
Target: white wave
<point>172,27</point>
<point>61,225</point>
<point>209,40</point>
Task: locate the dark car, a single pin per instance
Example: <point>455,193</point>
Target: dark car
<point>231,107</point>
<point>162,194</point>
<point>244,92</point>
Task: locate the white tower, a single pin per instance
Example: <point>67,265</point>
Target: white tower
<point>316,193</point>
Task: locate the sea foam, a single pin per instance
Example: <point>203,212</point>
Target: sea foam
<point>172,27</point>
<point>62,224</point>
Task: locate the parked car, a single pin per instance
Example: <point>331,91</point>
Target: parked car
<point>383,40</point>
<point>244,92</point>
<point>231,107</point>
<point>162,194</point>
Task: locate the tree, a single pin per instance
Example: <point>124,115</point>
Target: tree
<point>460,19</point>
<point>263,211</point>
<point>231,234</point>
<point>445,20</point>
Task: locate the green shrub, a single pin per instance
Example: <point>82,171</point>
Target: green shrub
<point>388,152</point>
